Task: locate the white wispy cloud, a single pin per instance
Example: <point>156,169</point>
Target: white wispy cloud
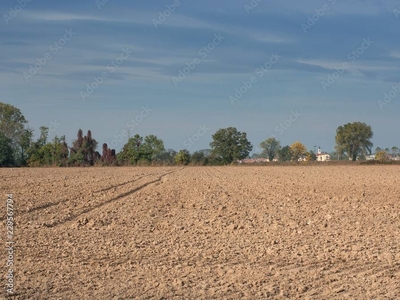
<point>353,67</point>
<point>176,20</point>
<point>60,16</point>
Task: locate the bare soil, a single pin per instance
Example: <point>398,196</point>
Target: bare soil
<point>303,232</point>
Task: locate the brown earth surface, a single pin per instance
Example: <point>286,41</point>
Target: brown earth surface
<point>306,232</point>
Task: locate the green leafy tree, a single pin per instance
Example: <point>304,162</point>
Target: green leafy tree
<point>46,154</point>
<point>395,150</point>
<point>377,149</point>
<point>298,150</point>
<point>139,149</point>
<point>36,155</point>
<point>60,154</point>
<point>338,156</point>
<point>166,157</point>
<point>132,149</point>
<point>6,151</point>
<point>12,122</point>
<point>12,125</point>
<point>312,156</point>
<point>77,156</point>
<point>183,157</point>
<point>285,154</point>
<point>270,147</point>
<point>152,147</point>
<point>207,152</point>
<point>199,158</point>
<point>53,153</point>
<point>44,133</point>
<point>24,144</point>
<point>230,145</point>
<point>354,139</point>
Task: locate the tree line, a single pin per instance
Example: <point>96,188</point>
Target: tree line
<point>18,148</point>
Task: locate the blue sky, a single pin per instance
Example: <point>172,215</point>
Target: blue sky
<point>183,69</point>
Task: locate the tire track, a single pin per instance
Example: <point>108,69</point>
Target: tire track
<point>123,195</point>
<point>124,183</point>
<point>76,189</point>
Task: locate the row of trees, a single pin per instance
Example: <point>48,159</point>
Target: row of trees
<point>395,151</point>
<point>17,147</point>
<point>271,149</point>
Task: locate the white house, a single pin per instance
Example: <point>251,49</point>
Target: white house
<point>322,156</point>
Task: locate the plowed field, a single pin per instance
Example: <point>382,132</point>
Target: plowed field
<point>309,232</point>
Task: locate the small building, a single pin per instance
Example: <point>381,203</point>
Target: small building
<point>322,156</point>
<point>393,157</point>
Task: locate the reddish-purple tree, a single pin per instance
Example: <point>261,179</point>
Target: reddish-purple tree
<point>108,157</point>
<point>83,150</point>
